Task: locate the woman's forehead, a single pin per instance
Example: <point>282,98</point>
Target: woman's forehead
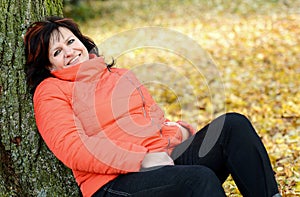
<point>60,34</point>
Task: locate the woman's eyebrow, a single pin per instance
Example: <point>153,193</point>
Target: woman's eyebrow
<point>65,41</point>
<point>68,38</point>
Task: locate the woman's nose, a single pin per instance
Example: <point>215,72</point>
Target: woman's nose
<point>68,51</point>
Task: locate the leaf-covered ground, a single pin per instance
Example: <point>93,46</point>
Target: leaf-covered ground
<point>255,45</point>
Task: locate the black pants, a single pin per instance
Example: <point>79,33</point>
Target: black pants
<point>228,145</point>
<point>238,151</point>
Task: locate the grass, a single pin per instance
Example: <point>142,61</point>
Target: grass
<point>255,48</point>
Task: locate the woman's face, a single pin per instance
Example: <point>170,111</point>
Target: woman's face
<point>65,49</point>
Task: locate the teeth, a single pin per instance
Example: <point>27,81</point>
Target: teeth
<point>73,60</point>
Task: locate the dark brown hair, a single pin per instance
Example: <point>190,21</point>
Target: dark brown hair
<point>36,42</point>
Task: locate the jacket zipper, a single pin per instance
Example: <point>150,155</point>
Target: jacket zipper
<point>144,105</point>
<point>141,94</point>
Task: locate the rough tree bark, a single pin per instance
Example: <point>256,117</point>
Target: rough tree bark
<point>27,167</point>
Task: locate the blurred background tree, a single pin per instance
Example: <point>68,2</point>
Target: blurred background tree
<point>81,10</point>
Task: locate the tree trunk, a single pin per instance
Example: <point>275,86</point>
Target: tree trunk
<point>27,167</point>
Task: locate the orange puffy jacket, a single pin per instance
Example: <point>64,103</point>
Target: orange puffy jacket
<point>100,122</point>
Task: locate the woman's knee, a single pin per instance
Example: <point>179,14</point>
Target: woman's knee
<point>237,122</point>
<point>239,127</point>
<point>234,117</point>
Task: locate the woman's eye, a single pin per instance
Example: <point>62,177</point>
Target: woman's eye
<point>71,41</point>
<point>56,53</point>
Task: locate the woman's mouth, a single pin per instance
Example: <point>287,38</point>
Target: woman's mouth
<point>74,60</point>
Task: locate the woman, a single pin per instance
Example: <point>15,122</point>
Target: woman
<point>104,125</point>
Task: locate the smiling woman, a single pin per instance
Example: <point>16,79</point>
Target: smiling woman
<point>37,41</point>
<point>101,122</point>
<point>65,49</point>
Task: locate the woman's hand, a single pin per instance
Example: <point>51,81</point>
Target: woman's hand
<point>184,131</point>
<point>157,159</point>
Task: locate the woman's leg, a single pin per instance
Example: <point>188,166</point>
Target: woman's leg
<point>238,151</point>
<point>168,181</point>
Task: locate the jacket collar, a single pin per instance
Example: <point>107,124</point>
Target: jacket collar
<point>85,71</point>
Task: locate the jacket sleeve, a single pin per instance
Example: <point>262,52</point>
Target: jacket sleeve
<point>66,139</point>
